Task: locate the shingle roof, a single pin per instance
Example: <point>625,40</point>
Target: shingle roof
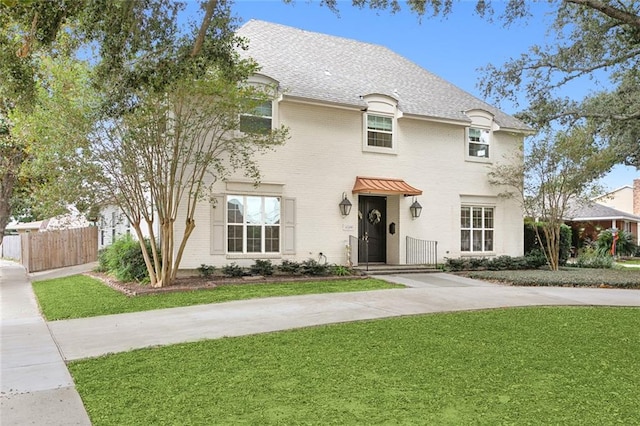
<point>595,211</point>
<point>333,69</point>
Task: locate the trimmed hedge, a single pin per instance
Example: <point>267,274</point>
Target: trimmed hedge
<point>501,263</point>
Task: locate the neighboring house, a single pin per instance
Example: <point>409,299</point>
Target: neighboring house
<point>618,209</point>
<point>67,221</point>
<point>371,129</point>
<point>113,223</point>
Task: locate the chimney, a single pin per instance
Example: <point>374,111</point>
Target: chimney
<point>636,197</point>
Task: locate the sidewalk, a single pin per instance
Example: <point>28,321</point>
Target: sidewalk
<point>35,385</point>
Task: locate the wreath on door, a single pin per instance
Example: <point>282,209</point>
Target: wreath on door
<point>375,216</point>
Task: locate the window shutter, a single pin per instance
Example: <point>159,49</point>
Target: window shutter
<point>218,225</point>
<point>289,228</point>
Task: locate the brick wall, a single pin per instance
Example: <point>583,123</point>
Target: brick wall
<point>636,197</point>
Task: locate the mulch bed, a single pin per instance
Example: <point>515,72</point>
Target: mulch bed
<point>201,283</point>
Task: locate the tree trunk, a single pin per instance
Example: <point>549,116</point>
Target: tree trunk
<point>190,226</point>
<point>10,166</point>
<point>153,279</point>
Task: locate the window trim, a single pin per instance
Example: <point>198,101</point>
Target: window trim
<point>482,229</point>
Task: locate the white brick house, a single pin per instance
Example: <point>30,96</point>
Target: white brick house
<point>355,111</point>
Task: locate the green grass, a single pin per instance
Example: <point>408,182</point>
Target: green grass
<point>511,366</point>
<point>81,296</point>
<point>578,277</point>
<point>629,262</point>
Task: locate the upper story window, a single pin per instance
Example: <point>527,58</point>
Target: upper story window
<point>379,131</point>
<point>478,141</point>
<point>259,120</point>
<point>479,135</point>
<point>380,124</point>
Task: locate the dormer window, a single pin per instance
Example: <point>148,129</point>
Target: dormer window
<point>379,122</point>
<point>479,135</point>
<point>379,131</point>
<point>259,120</point>
<point>478,141</point>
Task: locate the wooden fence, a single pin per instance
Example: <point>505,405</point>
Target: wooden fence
<point>42,251</point>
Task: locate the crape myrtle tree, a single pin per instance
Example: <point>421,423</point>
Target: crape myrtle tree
<point>171,128</point>
<point>559,171</point>
<point>162,157</point>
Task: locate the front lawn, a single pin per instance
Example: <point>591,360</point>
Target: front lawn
<point>82,296</point>
<point>510,366</point>
<point>576,277</point>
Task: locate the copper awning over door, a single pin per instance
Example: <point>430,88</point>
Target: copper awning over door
<point>383,186</point>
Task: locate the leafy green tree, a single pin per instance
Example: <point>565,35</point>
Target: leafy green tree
<point>558,171</point>
<point>138,44</point>
<point>56,170</point>
<point>25,27</point>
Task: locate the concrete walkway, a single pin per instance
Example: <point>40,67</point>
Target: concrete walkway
<point>429,293</point>
<point>37,388</point>
<point>35,385</point>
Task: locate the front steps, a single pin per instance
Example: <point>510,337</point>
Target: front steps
<point>384,269</point>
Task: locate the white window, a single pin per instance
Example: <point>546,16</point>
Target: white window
<point>379,131</point>
<point>476,229</point>
<point>253,224</point>
<point>259,120</point>
<point>478,142</point>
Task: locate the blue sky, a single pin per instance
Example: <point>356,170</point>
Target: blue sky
<point>454,48</point>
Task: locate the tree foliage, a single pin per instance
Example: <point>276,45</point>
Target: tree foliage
<point>558,171</point>
<point>32,57</point>
<point>140,45</point>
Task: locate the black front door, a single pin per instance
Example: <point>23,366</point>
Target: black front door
<point>372,227</point>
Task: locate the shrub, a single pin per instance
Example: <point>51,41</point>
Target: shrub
<point>340,271</point>
<point>500,263</point>
<point>314,268</point>
<point>476,263</point>
<point>535,259</point>
<point>102,261</point>
<point>592,258</point>
<point>233,270</point>
<point>624,245</point>
<point>206,270</point>
<point>289,267</point>
<point>455,265</point>
<point>262,267</point>
<point>125,261</point>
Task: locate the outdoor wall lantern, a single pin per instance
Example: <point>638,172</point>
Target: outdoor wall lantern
<point>345,205</point>
<point>415,209</point>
